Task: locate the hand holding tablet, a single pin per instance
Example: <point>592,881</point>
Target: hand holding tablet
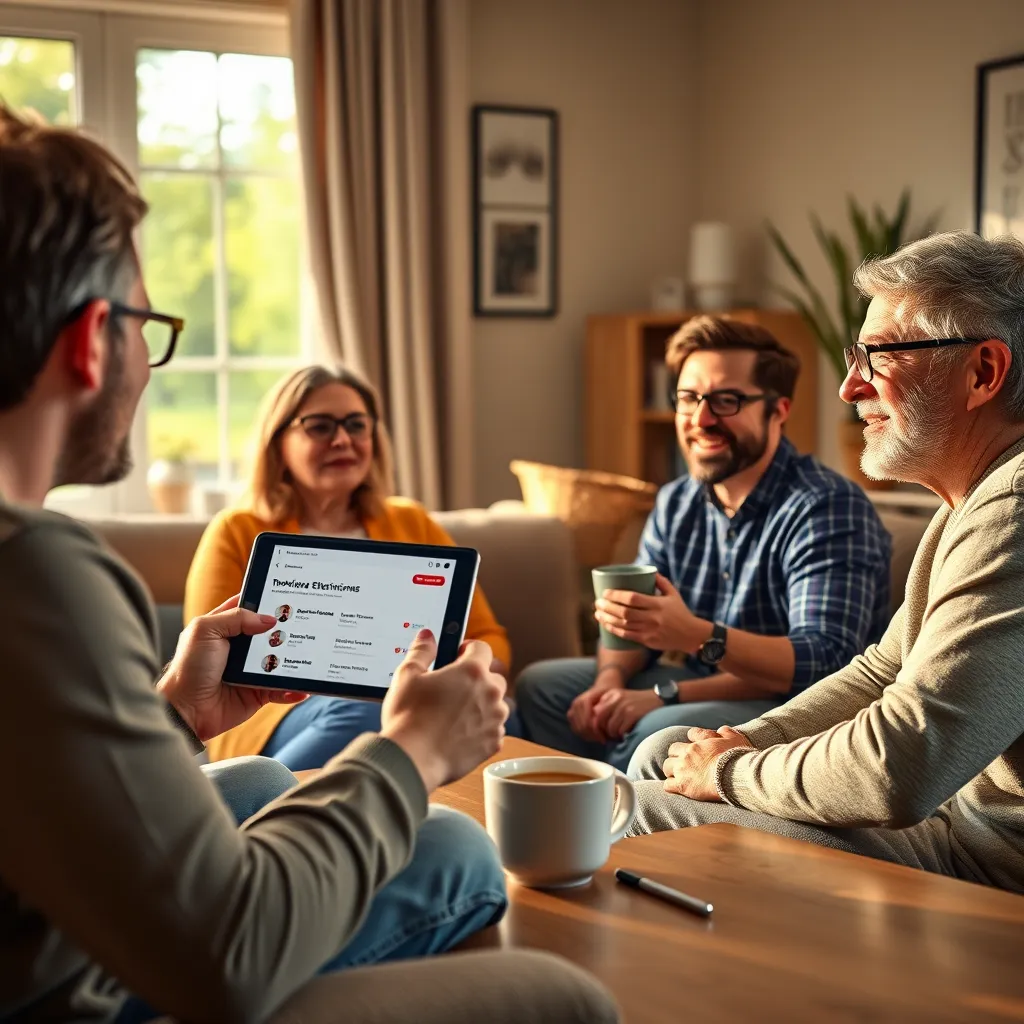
<point>347,611</point>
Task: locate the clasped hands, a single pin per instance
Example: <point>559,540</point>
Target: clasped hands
<point>660,621</point>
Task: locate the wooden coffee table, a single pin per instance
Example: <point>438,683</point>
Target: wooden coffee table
<point>799,933</point>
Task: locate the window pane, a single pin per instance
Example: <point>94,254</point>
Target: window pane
<point>262,244</point>
<point>39,74</point>
<point>182,419</point>
<point>178,254</point>
<point>257,109</point>
<point>246,389</point>
<point>177,97</point>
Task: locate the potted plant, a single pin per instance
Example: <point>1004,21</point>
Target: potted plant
<point>170,477</point>
<point>876,235</point>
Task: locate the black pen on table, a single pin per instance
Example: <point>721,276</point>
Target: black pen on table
<point>664,892</point>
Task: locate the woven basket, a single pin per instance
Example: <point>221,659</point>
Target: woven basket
<point>597,506</point>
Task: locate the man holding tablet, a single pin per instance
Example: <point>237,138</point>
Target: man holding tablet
<point>121,869</point>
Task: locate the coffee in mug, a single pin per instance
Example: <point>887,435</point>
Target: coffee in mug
<point>551,778</point>
<point>554,819</point>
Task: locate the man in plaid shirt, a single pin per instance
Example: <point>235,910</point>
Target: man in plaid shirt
<point>773,571</point>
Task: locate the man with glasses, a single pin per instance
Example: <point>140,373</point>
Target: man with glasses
<point>772,570</point>
<point>133,884</point>
<point>913,752</point>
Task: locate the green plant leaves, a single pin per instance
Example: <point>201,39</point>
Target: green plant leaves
<point>876,235</point>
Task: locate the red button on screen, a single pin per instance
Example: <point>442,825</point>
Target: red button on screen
<point>428,581</point>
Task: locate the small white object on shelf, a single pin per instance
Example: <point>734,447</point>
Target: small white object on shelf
<point>712,266</point>
<point>668,293</point>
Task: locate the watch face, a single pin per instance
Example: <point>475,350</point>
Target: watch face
<point>667,690</point>
<point>713,651</point>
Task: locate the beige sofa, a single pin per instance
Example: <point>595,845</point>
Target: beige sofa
<point>527,572</point>
<point>527,569</point>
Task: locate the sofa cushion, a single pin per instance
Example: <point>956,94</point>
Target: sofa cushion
<point>907,531</point>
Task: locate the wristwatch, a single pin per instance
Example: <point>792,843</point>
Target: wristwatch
<point>712,651</point>
<point>667,690</point>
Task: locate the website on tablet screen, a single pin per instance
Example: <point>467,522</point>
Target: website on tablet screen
<point>346,616</point>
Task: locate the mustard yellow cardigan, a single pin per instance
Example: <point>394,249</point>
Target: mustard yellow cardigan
<point>219,567</point>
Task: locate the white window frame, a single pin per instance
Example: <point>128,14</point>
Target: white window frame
<point>107,41</point>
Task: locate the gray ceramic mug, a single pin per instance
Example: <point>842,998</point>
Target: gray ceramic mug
<point>622,577</point>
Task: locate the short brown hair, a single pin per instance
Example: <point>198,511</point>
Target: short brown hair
<point>270,493</point>
<point>68,208</point>
<point>776,369</point>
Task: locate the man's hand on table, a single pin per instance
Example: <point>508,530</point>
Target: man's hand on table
<point>690,767</point>
<point>194,680</point>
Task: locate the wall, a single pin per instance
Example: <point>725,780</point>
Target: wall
<point>801,102</point>
<point>621,75</point>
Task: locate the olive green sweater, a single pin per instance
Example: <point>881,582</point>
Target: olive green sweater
<point>118,859</point>
<point>928,723</point>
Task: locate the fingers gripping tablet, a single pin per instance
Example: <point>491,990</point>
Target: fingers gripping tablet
<point>347,611</point>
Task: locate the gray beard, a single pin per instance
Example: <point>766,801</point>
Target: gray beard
<point>920,444</point>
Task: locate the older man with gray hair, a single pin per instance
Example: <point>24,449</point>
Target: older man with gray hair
<point>914,752</point>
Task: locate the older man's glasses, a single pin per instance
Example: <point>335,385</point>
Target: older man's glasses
<point>859,355</point>
<point>722,404</point>
<point>322,426</point>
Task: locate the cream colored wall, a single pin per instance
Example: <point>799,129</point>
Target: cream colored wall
<point>621,75</point>
<point>803,101</point>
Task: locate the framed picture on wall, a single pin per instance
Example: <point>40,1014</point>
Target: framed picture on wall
<point>515,211</point>
<point>999,183</point>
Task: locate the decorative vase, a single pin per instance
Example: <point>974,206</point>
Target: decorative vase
<point>170,485</point>
<point>851,444</point>
<point>712,266</point>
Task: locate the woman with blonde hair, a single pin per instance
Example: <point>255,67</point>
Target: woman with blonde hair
<point>322,465</point>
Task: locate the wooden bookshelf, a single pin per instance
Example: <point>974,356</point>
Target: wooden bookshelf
<point>626,432</point>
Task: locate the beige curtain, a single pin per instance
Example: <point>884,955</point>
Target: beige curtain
<point>368,88</point>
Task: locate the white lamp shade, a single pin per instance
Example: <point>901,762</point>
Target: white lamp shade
<point>712,254</point>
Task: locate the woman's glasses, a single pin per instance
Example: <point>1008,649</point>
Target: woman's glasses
<point>322,426</point>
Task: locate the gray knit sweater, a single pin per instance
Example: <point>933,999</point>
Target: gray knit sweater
<point>928,723</point>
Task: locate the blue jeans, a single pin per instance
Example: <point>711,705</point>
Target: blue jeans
<point>452,887</point>
<point>546,689</point>
<point>318,728</point>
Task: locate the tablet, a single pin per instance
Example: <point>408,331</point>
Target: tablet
<point>347,611</point>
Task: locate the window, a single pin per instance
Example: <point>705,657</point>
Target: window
<point>218,165</point>
<point>40,74</point>
<point>204,113</point>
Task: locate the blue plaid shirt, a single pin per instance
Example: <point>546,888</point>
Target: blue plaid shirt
<point>804,557</point>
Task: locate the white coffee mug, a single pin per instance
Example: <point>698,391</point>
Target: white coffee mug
<point>556,834</point>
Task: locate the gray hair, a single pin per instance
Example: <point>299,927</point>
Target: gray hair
<point>957,285</point>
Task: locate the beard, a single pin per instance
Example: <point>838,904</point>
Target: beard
<point>97,448</point>
<point>901,450</point>
<point>736,456</point>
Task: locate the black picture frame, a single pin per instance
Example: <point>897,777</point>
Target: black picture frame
<point>999,181</point>
<point>514,171</point>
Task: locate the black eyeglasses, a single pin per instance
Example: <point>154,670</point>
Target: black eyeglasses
<point>859,355</point>
<point>322,426</point>
<point>723,403</point>
<point>159,330</point>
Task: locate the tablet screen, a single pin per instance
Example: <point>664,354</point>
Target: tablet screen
<point>346,616</point>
